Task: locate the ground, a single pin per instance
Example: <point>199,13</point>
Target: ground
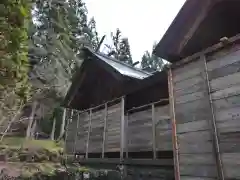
<point>23,157</point>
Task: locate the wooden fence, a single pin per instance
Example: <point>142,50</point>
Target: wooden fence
<point>108,128</point>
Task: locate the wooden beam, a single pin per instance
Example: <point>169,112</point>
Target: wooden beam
<point>89,131</point>
<point>206,51</point>
<point>104,130</point>
<point>76,133</point>
<point>154,132</point>
<point>174,128</point>
<point>122,135</point>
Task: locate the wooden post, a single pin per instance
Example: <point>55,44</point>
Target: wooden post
<point>214,127</point>
<point>89,131</point>
<point>126,132</point>
<point>174,128</point>
<point>122,134</point>
<point>104,130</point>
<point>65,114</point>
<point>76,133</point>
<point>154,132</point>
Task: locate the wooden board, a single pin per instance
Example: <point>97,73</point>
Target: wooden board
<point>224,71</point>
<point>228,114</point>
<point>193,126</point>
<point>195,178</point>
<point>192,137</point>
<point>229,147</point>
<point>181,72</point>
<point>231,159</point>
<point>198,170</point>
<point>191,97</point>
<point>225,82</point>
<point>197,159</point>
<point>189,82</point>
<point>226,103</point>
<point>232,172</point>
<point>228,58</point>
<point>196,147</point>
<point>201,86</point>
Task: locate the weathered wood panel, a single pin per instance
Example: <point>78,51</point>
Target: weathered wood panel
<point>191,97</point>
<point>223,60</point>
<point>193,126</point>
<point>198,170</point>
<point>140,131</point>
<point>163,128</point>
<point>195,178</point>
<point>224,71</point>
<point>228,114</point>
<point>182,72</point>
<point>193,111</point>
<point>197,159</point>
<point>113,130</point>
<point>226,103</point>
<point>199,87</point>
<point>193,122</point>
<point>82,133</point>
<point>195,147</point>
<point>225,82</point>
<point>185,84</point>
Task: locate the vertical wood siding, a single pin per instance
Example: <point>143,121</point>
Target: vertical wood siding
<point>224,77</point>
<point>204,96</point>
<point>193,122</point>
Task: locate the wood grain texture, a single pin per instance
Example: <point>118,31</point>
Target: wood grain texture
<point>201,86</point>
<point>193,126</point>
<point>224,71</point>
<point>226,59</point>
<point>181,71</point>
<point>191,97</point>
<point>232,172</point>
<point>189,82</point>
<point>193,111</point>
<point>229,147</point>
<point>228,114</point>
<point>225,82</point>
<point>231,159</point>
<point>196,147</point>
<point>198,170</point>
<point>193,137</point>
<point>195,178</point>
<point>197,159</point>
<point>226,103</point>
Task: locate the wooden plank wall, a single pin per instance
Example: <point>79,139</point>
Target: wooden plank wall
<point>140,130</point>
<point>193,122</point>
<point>71,119</point>
<point>163,129</point>
<point>224,76</point>
<point>85,130</point>
<point>112,143</point>
<point>207,113</point>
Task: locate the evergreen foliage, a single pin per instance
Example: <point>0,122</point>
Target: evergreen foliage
<point>151,61</point>
<point>121,48</point>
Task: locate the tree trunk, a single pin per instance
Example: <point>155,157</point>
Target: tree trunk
<point>33,129</point>
<point>30,122</point>
<point>63,124</point>
<point>53,129</point>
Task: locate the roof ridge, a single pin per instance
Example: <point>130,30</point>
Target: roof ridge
<point>123,63</point>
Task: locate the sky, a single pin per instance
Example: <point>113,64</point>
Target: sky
<point>143,22</point>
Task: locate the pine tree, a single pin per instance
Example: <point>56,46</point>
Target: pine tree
<point>121,48</point>
<point>151,61</point>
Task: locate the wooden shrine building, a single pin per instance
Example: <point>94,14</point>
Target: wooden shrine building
<point>203,45</point>
<point>119,114</point>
